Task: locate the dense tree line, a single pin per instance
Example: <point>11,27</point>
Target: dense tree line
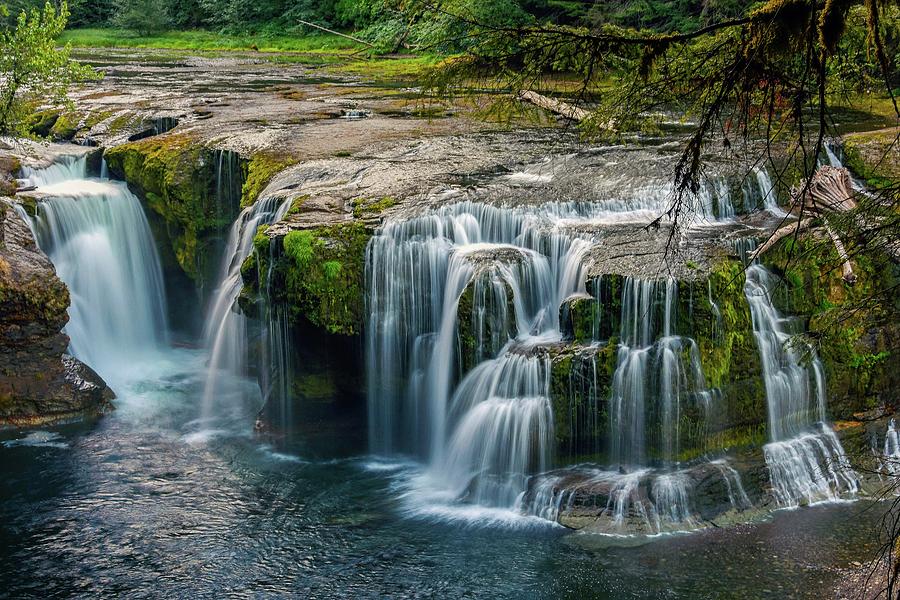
<point>416,21</point>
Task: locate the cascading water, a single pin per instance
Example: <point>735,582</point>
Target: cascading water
<point>658,377</point>
<point>759,192</point>
<point>97,237</point>
<point>463,304</point>
<point>482,426</point>
<point>890,457</point>
<point>805,458</point>
<point>225,332</point>
<point>651,372</point>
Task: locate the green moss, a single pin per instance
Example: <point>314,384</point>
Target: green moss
<point>848,325</point>
<point>175,174</point>
<point>297,205</point>
<point>717,316</point>
<point>873,157</point>
<point>66,126</point>
<point>323,271</point>
<point>41,122</point>
<point>580,381</point>
<point>120,123</point>
<point>371,207</point>
<point>580,314</point>
<point>484,339</point>
<point>315,386</point>
<point>259,171</point>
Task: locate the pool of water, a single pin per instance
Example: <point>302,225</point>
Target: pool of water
<point>152,502</point>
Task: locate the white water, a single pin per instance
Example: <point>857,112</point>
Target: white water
<point>97,237</point>
<point>655,368</point>
<point>225,331</point>
<point>890,457</point>
<point>805,458</point>
<point>479,415</point>
<point>483,433</point>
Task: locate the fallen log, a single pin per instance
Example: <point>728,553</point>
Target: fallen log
<point>333,32</point>
<point>553,105</point>
<point>829,192</point>
<point>780,234</point>
<point>846,268</point>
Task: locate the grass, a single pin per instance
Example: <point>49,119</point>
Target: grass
<point>208,40</point>
<point>342,55</point>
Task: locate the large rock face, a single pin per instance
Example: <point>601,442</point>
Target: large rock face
<point>39,383</point>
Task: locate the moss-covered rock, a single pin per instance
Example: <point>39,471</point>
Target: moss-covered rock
<point>9,168</point>
<point>486,323</point>
<point>176,176</point>
<point>724,408</point>
<point>39,384</point>
<point>258,172</point>
<point>40,123</point>
<point>364,207</point>
<point>318,274</point>
<point>715,313</point>
<point>580,380</point>
<point>873,156</point>
<point>851,326</point>
<point>65,126</point>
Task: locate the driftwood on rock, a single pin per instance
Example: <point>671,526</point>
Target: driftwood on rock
<point>782,233</point>
<point>829,192</point>
<point>559,107</point>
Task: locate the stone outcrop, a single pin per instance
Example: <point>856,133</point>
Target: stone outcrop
<point>39,383</point>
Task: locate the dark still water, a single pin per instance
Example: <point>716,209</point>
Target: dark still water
<point>152,503</point>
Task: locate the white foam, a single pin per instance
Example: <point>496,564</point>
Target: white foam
<point>38,439</point>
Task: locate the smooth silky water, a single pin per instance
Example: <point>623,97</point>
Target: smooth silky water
<point>170,496</point>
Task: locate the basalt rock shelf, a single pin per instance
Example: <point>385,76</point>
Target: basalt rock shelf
<point>490,304</point>
<point>518,330</point>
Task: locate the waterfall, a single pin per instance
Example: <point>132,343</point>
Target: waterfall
<point>463,304</point>
<point>890,457</point>
<point>805,457</point>
<point>97,237</point>
<point>65,168</point>
<point>225,331</point>
<point>480,418</point>
<point>229,181</point>
<point>656,372</point>
<point>759,192</point>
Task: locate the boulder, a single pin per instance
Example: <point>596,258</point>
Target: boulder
<point>39,383</point>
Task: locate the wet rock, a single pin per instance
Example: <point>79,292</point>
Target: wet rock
<point>39,383</point>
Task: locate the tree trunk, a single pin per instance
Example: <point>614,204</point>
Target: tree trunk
<point>553,105</point>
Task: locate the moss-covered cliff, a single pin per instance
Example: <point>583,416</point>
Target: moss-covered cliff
<point>725,409</point>
<point>176,177</point>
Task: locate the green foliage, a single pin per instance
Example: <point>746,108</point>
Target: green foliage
<point>666,15</point>
<point>144,17</point>
<point>32,70</point>
<point>208,40</point>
